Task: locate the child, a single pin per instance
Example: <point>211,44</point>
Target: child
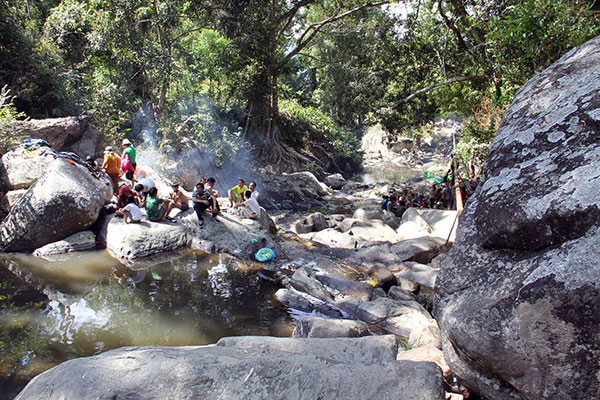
<point>250,206</point>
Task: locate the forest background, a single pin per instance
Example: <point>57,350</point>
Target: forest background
<point>295,81</point>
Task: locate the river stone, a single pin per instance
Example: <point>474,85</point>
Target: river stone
<point>404,318</point>
<point>382,277</point>
<point>21,171</point>
<point>80,241</point>
<point>378,253</point>
<point>301,301</point>
<point>422,274</point>
<point>369,350</point>
<point>367,213</point>
<point>414,215</point>
<point>297,187</point>
<point>335,181</point>
<point>222,372</point>
<point>313,223</point>
<point>421,249</point>
<point>66,200</point>
<point>398,293</point>
<point>332,238</point>
<point>517,297</point>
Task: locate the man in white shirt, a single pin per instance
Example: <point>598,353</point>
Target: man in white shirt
<point>252,188</point>
<point>249,206</point>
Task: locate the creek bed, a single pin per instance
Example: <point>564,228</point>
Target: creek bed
<point>190,298</point>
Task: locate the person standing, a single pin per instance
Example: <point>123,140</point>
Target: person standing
<point>129,151</point>
<point>111,165</point>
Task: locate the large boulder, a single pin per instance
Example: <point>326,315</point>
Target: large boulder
<point>66,200</point>
<point>318,327</point>
<point>79,241</point>
<point>244,368</point>
<point>21,168</point>
<point>297,188</point>
<point>74,134</point>
<point>228,234</point>
<point>518,297</point>
<point>335,181</point>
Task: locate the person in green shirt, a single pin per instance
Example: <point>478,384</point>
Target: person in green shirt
<point>130,152</point>
<point>235,193</point>
<point>157,209</point>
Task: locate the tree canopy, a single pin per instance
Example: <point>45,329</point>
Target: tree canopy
<point>282,75</point>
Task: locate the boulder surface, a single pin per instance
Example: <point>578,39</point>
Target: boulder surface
<point>66,200</point>
<point>518,297</point>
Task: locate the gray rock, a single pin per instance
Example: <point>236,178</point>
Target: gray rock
<point>414,215</point>
<point>421,250</point>
<point>517,296</point>
<point>398,293</point>
<point>367,213</point>
<point>21,171</point>
<point>335,181</point>
<point>229,234</point>
<point>14,196</point>
<point>313,223</point>
<point>66,200</point>
<point>370,350</point>
<point>380,253</point>
<point>318,327</point>
<point>377,293</point>
<point>297,300</point>
<point>74,134</point>
<point>80,241</point>
<point>404,318</point>
<point>297,187</point>
<point>218,372</point>
<point>382,277</point>
<point>422,274</point>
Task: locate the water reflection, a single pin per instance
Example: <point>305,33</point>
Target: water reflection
<point>189,299</point>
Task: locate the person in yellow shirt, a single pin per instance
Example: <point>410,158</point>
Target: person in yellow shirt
<point>112,166</point>
<point>235,193</point>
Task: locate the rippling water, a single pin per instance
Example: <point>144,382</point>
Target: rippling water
<point>191,298</point>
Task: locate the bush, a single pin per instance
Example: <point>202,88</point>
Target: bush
<point>9,133</point>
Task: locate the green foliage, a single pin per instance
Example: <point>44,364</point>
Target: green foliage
<point>9,133</point>
<point>312,124</point>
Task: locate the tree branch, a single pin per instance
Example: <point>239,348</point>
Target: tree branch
<point>289,16</point>
<point>474,78</point>
<point>314,29</point>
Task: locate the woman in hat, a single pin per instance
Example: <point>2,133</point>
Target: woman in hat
<point>112,166</point>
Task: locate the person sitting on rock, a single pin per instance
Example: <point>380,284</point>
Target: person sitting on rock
<point>392,203</point>
<point>112,166</point>
<point>249,206</point>
<point>126,196</point>
<point>252,188</point>
<point>90,162</point>
<point>210,188</point>
<point>202,200</point>
<point>235,193</point>
<point>384,202</point>
<point>130,213</point>
<point>178,198</point>
<point>157,209</point>
<point>143,187</point>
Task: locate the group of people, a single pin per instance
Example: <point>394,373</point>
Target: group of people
<point>134,192</point>
<point>440,197</point>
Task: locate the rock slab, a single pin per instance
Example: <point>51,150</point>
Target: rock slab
<point>237,371</point>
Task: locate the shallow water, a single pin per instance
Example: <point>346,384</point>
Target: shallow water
<point>189,299</point>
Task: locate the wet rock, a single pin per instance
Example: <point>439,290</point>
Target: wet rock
<point>297,300</point>
<point>318,327</point>
<point>80,241</point>
<point>422,274</point>
<point>66,200</point>
<point>335,181</point>
<point>295,368</point>
<point>404,318</point>
<point>329,286</point>
<point>517,296</point>
<point>21,170</point>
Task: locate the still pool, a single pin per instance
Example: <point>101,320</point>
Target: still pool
<point>190,298</point>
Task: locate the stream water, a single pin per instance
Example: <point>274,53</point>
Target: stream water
<point>190,298</point>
